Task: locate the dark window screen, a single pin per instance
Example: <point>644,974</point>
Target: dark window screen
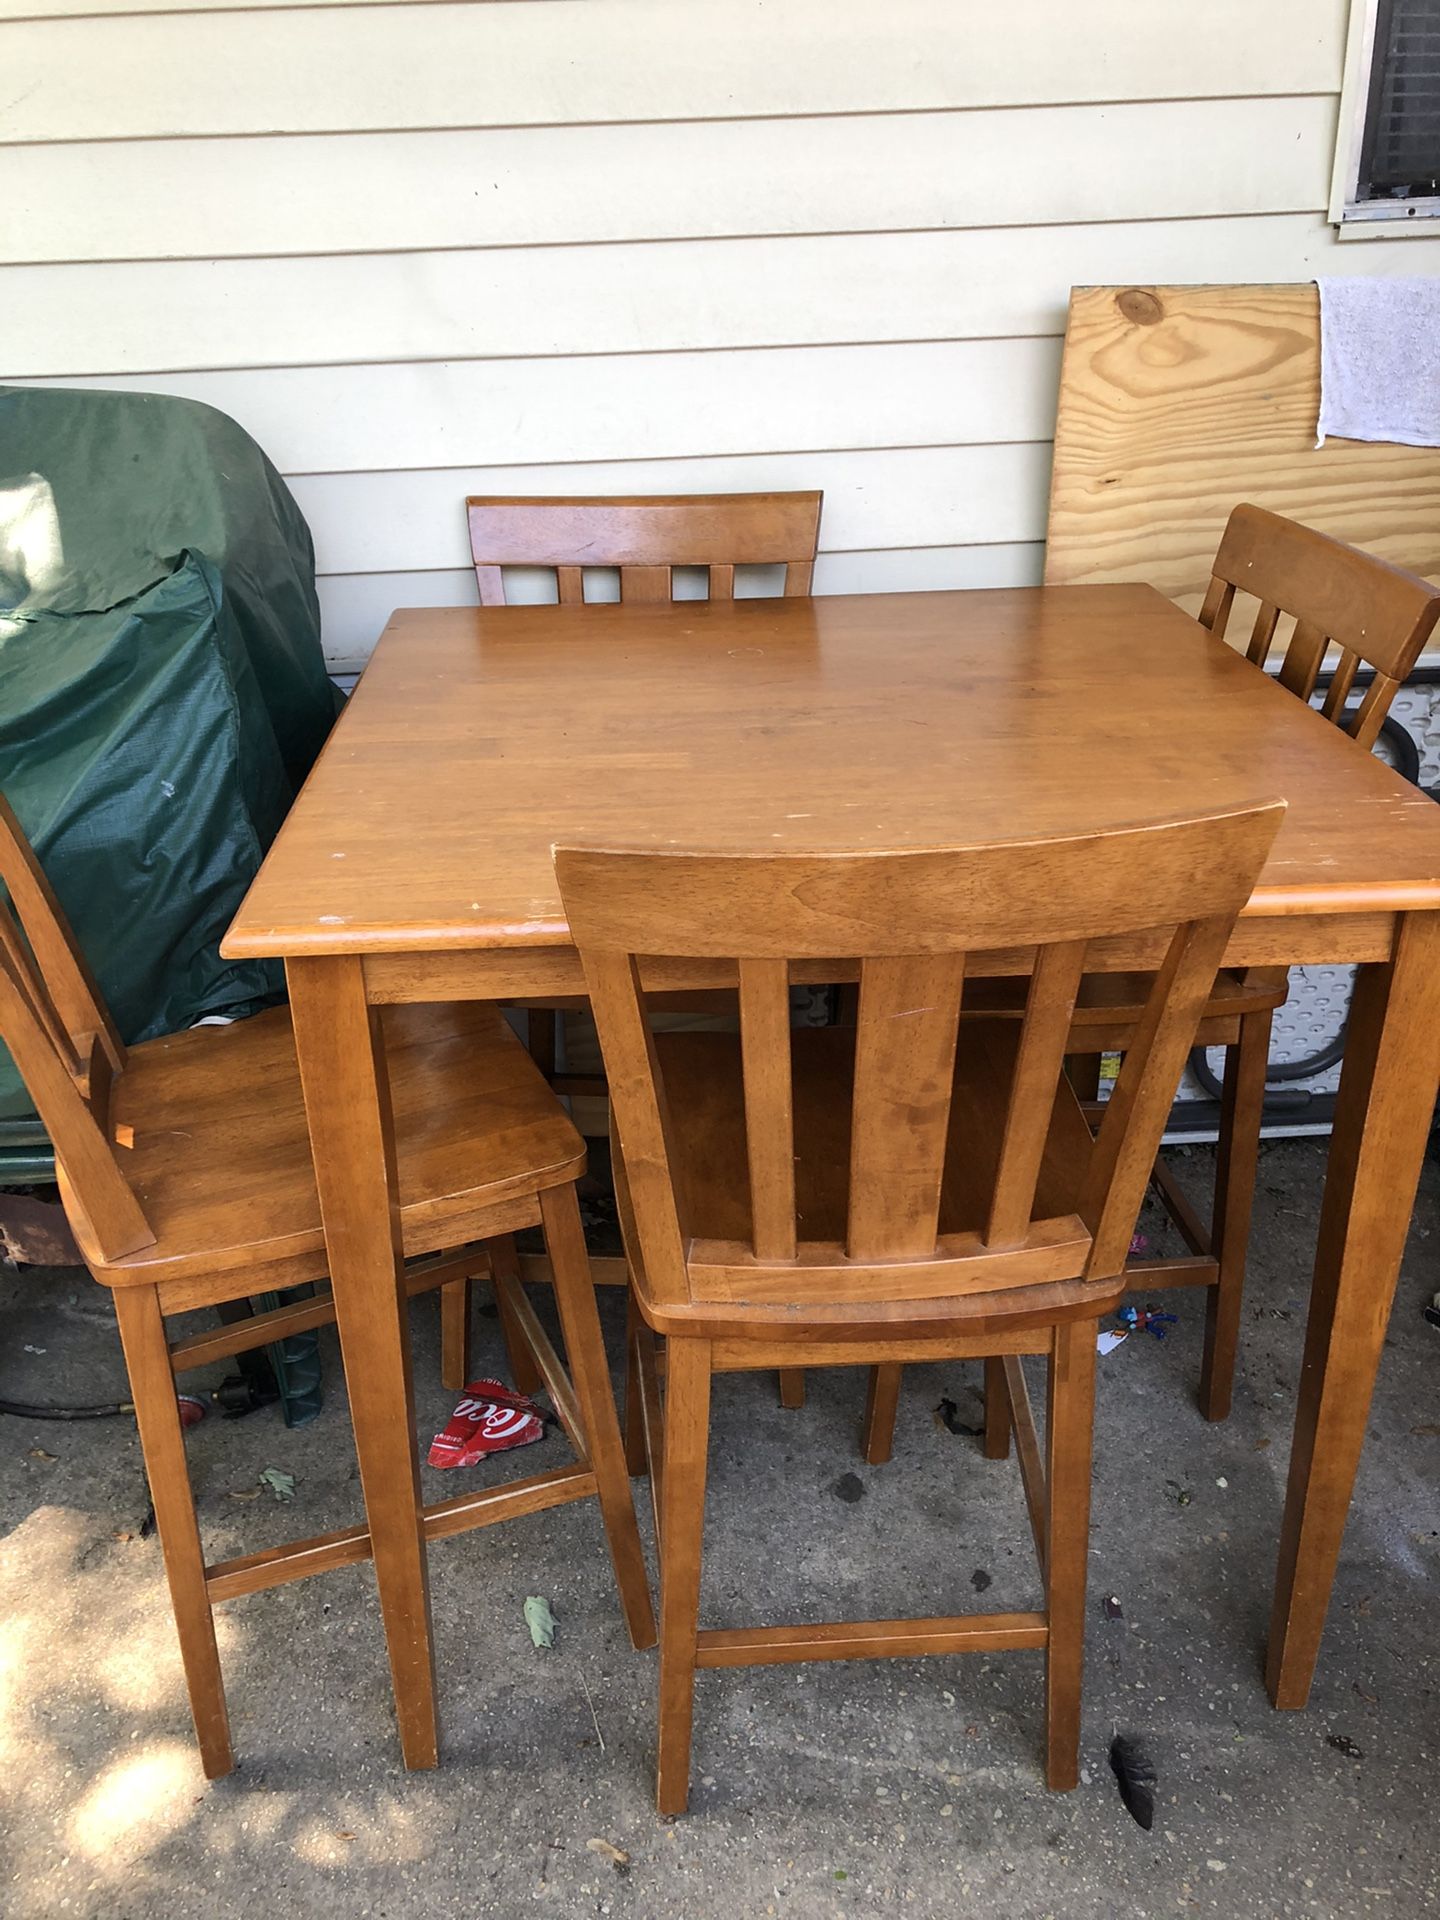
<point>1400,152</point>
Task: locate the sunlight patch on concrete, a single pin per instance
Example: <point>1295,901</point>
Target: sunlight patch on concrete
<point>139,1801</point>
<point>388,1833</point>
<point>37,1566</point>
<point>142,1669</point>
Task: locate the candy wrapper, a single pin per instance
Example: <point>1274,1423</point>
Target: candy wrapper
<point>490,1419</point>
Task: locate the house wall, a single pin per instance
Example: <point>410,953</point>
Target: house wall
<point>424,249</point>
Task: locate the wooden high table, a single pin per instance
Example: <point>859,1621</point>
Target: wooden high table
<point>416,865</point>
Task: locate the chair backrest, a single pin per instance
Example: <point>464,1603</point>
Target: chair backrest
<point>910,919</point>
<point>646,537</point>
<point>1377,615</point>
<point>64,1043</point>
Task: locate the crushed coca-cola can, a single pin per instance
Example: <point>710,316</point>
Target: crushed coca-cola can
<point>489,1419</point>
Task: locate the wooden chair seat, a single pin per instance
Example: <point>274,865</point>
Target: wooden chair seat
<point>220,1160</point>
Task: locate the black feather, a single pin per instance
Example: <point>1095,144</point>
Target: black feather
<point>1135,1773</point>
<point>947,1415</point>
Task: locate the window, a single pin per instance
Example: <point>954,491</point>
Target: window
<point>1387,160</point>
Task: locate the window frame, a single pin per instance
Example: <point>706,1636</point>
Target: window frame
<point>1380,219</point>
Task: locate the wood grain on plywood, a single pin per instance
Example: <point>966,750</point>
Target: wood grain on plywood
<point>1177,403</point>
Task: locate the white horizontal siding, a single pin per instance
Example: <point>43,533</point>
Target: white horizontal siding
<point>369,192</point>
<point>422,250</point>
<point>955,284</point>
<point>311,71</point>
<point>85,9</point>
<point>905,497</point>
<point>634,406</point>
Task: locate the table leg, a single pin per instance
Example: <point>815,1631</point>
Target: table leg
<point>1387,1095</point>
<point>347,1104</point>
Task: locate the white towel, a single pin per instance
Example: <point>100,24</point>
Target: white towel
<point>1380,360</point>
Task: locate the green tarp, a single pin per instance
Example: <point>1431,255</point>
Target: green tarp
<point>162,688</point>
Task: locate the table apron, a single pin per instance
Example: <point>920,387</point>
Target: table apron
<point>503,973</point>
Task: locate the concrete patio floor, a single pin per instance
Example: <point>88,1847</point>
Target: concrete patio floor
<point>830,1790</point>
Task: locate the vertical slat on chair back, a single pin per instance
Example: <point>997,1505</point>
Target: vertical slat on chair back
<point>1039,1062</point>
<point>63,1042</point>
<point>640,1113</point>
<point>900,1111</point>
<point>1375,614</point>
<point>1144,1091</point>
<point>646,538</point>
<point>769,1107</point>
<point>911,920</point>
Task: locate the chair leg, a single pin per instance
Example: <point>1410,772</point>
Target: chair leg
<point>882,1396</point>
<point>1069,1427</point>
<point>997,1411</point>
<point>633,1426</point>
<point>525,1376</point>
<point>162,1441</point>
<point>687,1443</point>
<point>1083,1072</point>
<point>455,1335</point>
<point>542,1032</point>
<point>575,1299</point>
<point>652,1419</point>
<point>1242,1114</point>
<point>792,1386</point>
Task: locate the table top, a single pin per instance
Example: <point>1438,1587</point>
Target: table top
<point>478,739</point>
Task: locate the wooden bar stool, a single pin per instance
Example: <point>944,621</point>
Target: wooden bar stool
<point>185,1169</point>
<point>644,537</point>
<point>1378,617</point>
<point>917,1187</point>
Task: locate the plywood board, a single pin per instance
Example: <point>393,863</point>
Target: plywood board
<point>1177,402</point>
